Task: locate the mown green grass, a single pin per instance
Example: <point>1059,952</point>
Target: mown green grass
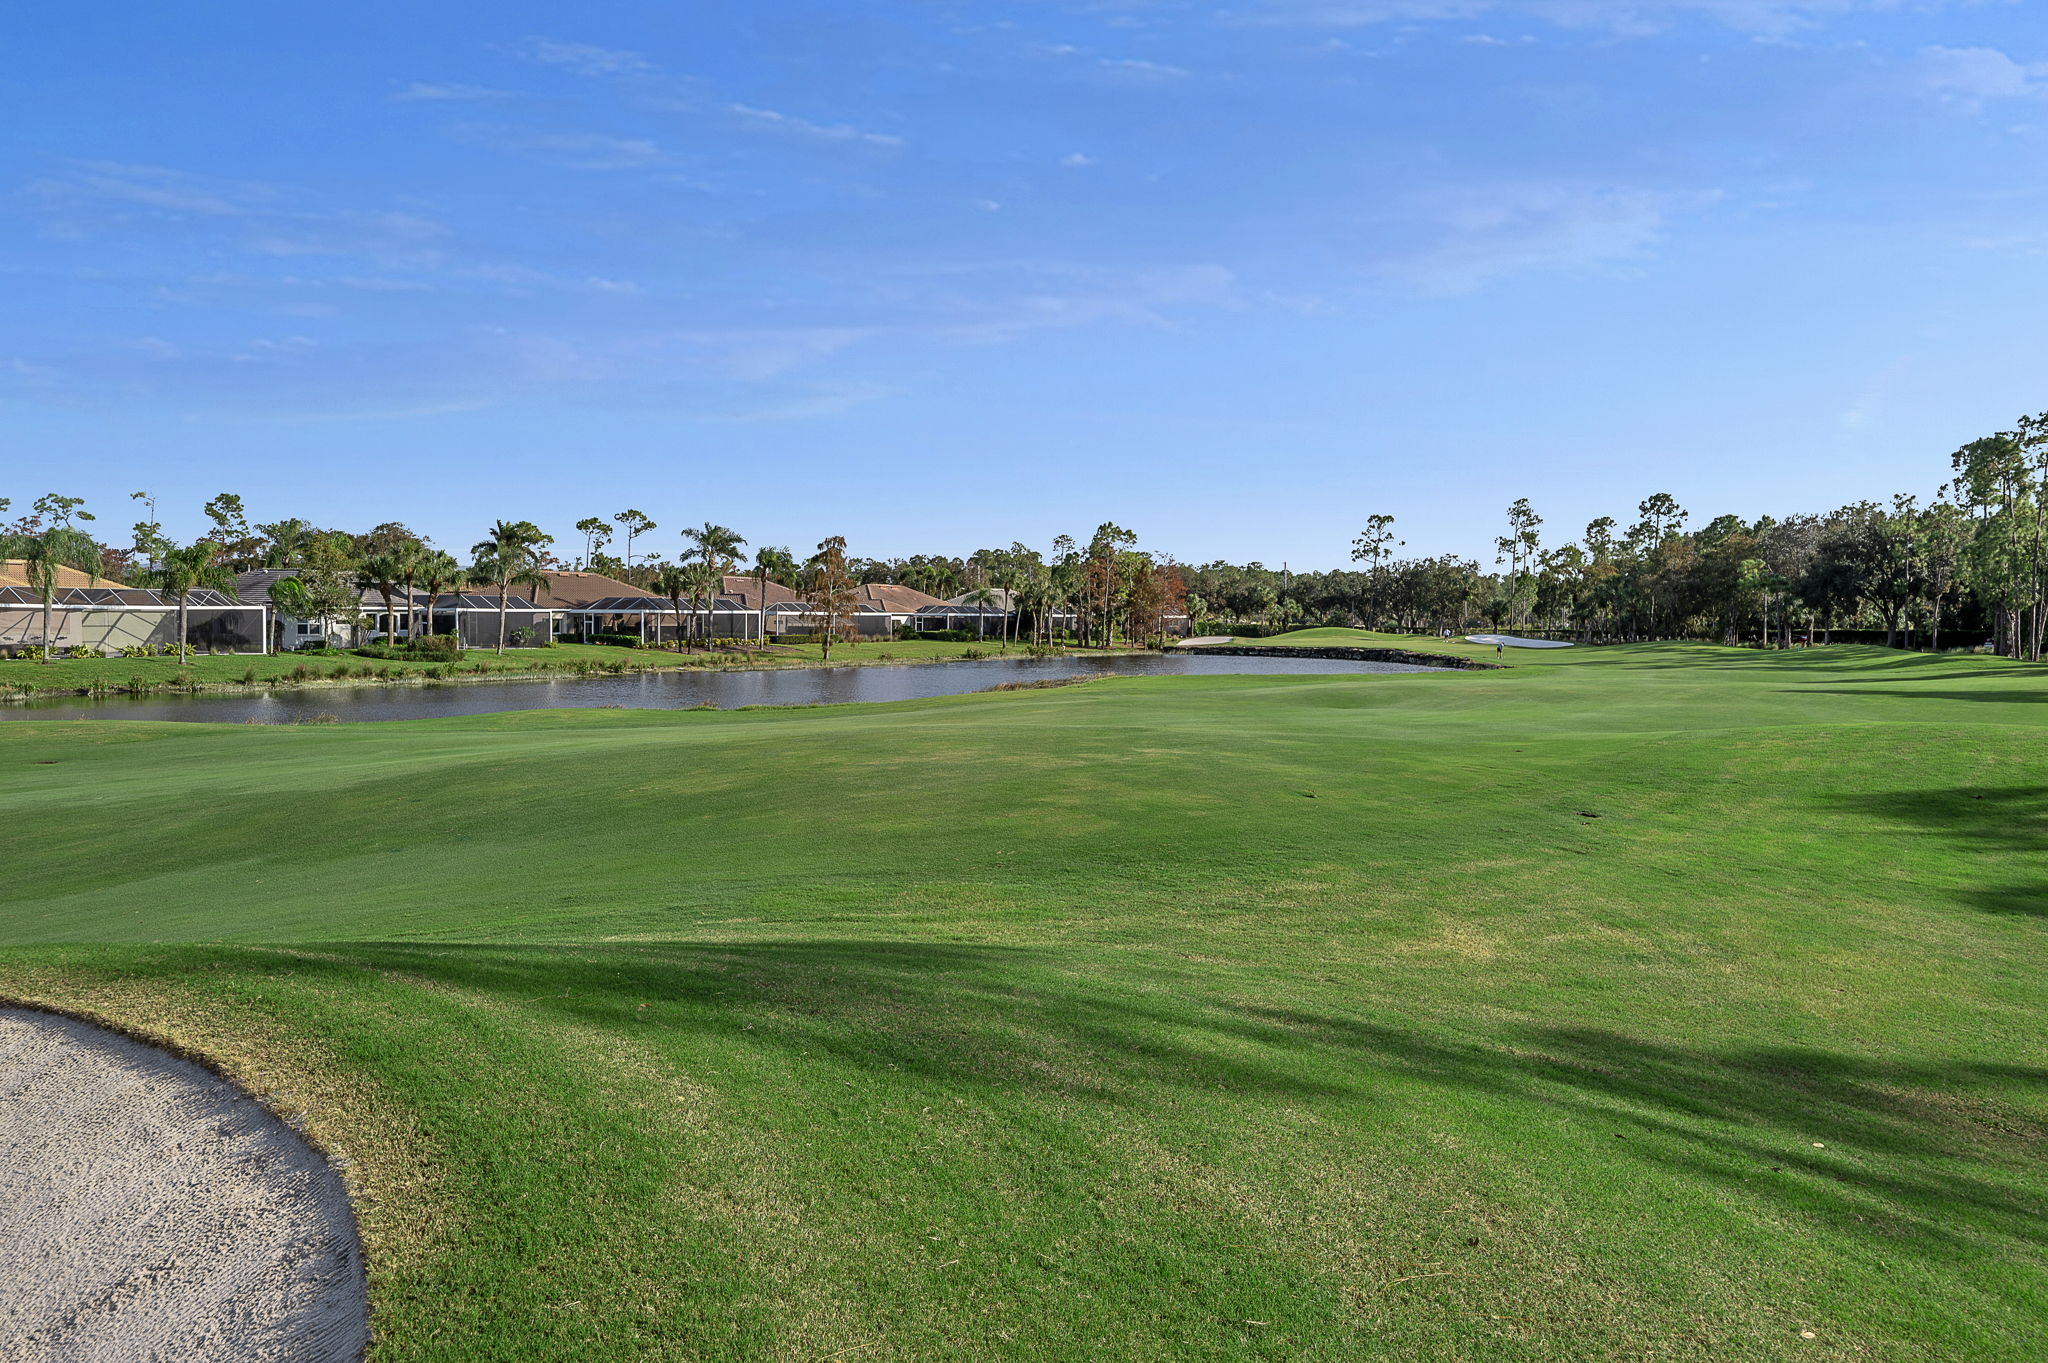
<point>1649,1003</point>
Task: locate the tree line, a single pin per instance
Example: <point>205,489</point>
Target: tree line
<point>1092,593</point>
<point>1969,564</point>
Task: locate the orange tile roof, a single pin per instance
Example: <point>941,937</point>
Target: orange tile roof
<point>14,573</point>
<point>746,587</point>
<point>895,599</point>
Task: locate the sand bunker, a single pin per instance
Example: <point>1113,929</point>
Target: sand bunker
<point>151,1210</point>
<point>1512,642</point>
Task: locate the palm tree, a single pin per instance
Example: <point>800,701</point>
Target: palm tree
<point>511,553</point>
<point>673,581</point>
<point>717,547</point>
<point>181,572</point>
<point>44,555</point>
<point>440,575</point>
<point>705,580</point>
<point>770,558</point>
<point>289,596</point>
<point>715,543</point>
<point>412,556</point>
<point>382,574</point>
<point>981,598</point>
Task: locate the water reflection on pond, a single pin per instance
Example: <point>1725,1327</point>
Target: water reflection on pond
<point>665,690</point>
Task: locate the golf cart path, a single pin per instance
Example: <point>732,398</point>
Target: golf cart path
<point>151,1210</point>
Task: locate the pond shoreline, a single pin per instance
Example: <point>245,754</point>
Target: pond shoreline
<point>176,686</point>
<point>674,688</point>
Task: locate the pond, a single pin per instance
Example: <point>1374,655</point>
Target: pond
<point>664,690</point>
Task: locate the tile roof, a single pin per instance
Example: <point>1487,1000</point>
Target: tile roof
<point>572,590</point>
<point>14,573</point>
<point>1002,599</point>
<point>896,600</point>
<point>746,587</point>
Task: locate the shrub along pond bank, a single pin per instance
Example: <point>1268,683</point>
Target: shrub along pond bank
<point>1352,655</point>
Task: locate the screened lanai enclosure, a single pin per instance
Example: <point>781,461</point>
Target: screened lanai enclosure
<point>982,620</point>
<point>111,618</point>
<point>474,617</point>
<point>798,617</point>
<point>656,621</point>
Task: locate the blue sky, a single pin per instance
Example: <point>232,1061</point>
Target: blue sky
<point>937,276</point>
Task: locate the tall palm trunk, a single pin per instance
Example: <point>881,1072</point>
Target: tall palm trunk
<point>48,651</point>
<point>504,596</point>
<point>184,632</point>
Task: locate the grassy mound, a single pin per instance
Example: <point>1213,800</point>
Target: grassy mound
<point>1652,1003</point>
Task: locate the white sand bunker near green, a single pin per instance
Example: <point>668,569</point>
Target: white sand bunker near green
<point>1514,641</point>
<point>151,1210</point>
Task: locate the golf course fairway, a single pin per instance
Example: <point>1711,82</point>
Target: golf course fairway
<point>1648,1003</point>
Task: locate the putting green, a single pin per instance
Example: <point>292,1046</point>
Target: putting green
<point>1667,1002</point>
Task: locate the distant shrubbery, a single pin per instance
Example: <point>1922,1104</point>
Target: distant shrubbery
<point>437,648</point>
<point>940,636</point>
<point>617,640</point>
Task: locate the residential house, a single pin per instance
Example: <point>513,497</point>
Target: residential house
<point>107,616</point>
<point>586,603</point>
<point>473,615</point>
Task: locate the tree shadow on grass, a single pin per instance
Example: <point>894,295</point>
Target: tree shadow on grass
<point>1939,1158</point>
<point>1916,1151</point>
<point>2013,820</point>
<point>2012,671</point>
<point>2000,695</point>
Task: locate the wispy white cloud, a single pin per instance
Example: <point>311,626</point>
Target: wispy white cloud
<point>737,369</point>
<point>1134,69</point>
<point>1766,17</point>
<point>1142,69</point>
<point>428,92</point>
<point>97,198</point>
<point>651,87</point>
<point>1077,159</point>
<point>1456,240</point>
<point>832,399</point>
<point>402,236</point>
<point>110,183</point>
<point>830,132</point>
<point>527,278</point>
<point>585,59</point>
<point>1971,77</point>
<point>275,349</point>
<point>571,150</point>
